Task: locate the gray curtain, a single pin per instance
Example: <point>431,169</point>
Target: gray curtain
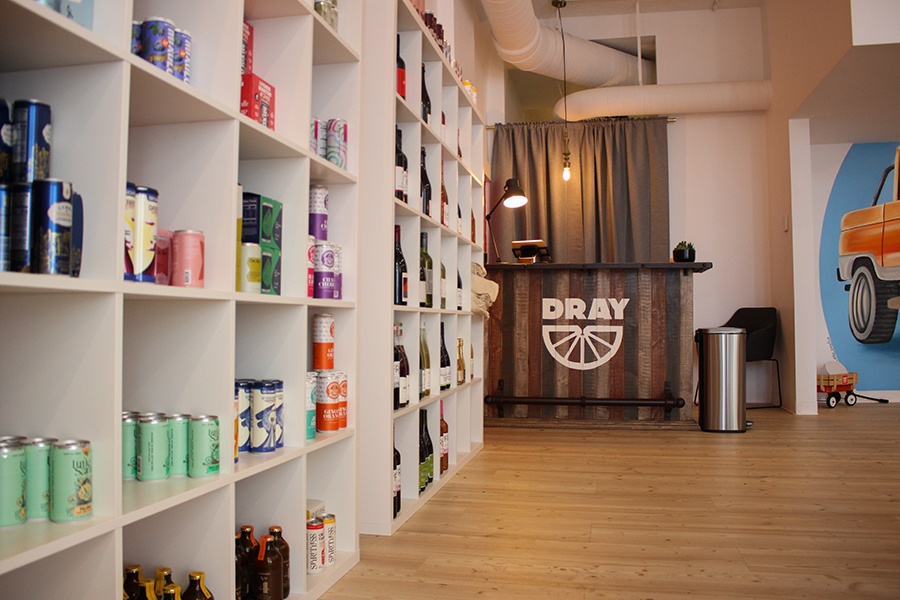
<point>614,209</point>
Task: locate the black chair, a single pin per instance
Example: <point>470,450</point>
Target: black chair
<point>761,324</point>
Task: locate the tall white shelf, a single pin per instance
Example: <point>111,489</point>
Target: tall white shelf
<point>82,350</point>
<point>464,180</point>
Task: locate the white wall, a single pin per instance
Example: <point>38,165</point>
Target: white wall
<point>875,22</point>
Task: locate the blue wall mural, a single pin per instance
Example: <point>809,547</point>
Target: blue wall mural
<point>854,187</point>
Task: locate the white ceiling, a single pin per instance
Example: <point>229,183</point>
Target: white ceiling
<point>592,8</point>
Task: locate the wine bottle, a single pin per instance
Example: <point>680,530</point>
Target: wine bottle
<point>429,450</point>
<point>426,274</point>
<point>401,369</point>
<point>444,442</point>
<point>443,286</point>
<point>473,227</point>
<point>426,100</point>
<point>445,363</point>
<point>401,170</point>
<point>443,127</point>
<point>268,571</point>
<point>401,277</point>
<point>445,201</point>
<point>396,480</point>
<point>460,363</point>
<point>284,549</point>
<point>425,187</point>
<point>401,72</point>
<point>459,294</point>
<point>424,365</point>
<point>423,454</point>
<point>458,219</point>
<point>196,589</point>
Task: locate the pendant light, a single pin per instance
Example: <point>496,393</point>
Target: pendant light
<point>567,163</point>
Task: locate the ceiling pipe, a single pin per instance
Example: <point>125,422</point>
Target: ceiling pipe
<point>524,43</point>
<point>668,99</point>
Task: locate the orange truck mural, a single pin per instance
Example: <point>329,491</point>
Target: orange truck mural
<point>869,259</point>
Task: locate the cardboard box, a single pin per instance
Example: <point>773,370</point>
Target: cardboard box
<point>258,100</point>
<point>261,220</point>
<point>270,270</point>
<point>247,49</point>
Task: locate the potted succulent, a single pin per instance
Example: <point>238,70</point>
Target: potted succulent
<point>684,252</point>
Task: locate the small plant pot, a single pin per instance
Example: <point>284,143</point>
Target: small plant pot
<point>684,255</point>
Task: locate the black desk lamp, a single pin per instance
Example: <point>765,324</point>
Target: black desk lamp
<point>513,197</point>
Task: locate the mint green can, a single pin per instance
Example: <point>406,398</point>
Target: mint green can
<point>12,483</point>
<point>203,456</point>
<point>178,446</point>
<point>71,481</point>
<point>37,477</point>
<point>129,444</point>
<point>152,448</point>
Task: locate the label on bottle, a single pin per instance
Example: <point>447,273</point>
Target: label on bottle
<point>404,391</point>
<point>423,290</point>
<point>443,292</point>
<point>397,376</point>
<point>429,282</point>
<point>445,377</point>
<point>460,374</point>
<point>423,377</point>
<point>401,82</point>
<point>458,298</point>
<point>445,444</point>
<point>405,284</point>
<point>396,486</point>
<point>400,178</point>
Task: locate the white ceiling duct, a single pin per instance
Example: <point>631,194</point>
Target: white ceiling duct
<point>667,99</point>
<point>521,41</point>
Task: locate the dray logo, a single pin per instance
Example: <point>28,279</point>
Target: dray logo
<point>588,347</point>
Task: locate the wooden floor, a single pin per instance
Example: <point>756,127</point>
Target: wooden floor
<point>797,507</point>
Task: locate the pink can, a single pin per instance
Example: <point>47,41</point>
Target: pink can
<point>187,258</point>
<point>162,262</point>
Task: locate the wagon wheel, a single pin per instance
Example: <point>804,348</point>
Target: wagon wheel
<point>832,399</point>
<point>850,398</point>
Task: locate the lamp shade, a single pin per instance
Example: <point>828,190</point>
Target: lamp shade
<point>513,196</point>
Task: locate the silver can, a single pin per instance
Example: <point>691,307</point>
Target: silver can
<point>71,481</point>
<point>338,272</point>
<point>336,143</point>
<point>129,445</point>
<point>315,545</point>
<point>318,212</point>
<point>37,477</point>
<point>263,430</point>
<point>203,453</point>
<point>179,426</point>
<point>242,389</point>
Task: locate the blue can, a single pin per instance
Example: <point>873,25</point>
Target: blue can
<point>136,29</point>
<point>263,424</point>
<point>181,66</point>
<point>158,43</point>
<point>5,200</point>
<point>31,141</point>
<point>279,411</point>
<point>242,389</point>
<point>51,208</point>
<point>6,142</point>
<point>20,231</point>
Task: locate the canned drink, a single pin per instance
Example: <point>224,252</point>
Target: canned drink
<point>263,417</point>
<point>158,43</point>
<point>310,266</point>
<point>162,262</point>
<point>330,524</point>
<point>338,272</point>
<point>31,141</point>
<point>311,381</point>
<point>12,483</point>
<point>153,435</point>
<point>323,270</point>
<point>12,438</point>
<point>318,212</point>
<point>136,32</point>
<point>146,230</point>
<point>314,135</point>
<point>203,455</point>
<point>21,234</point>
<point>51,201</point>
<point>71,481</point>
<point>328,400</point>
<point>178,444</point>
<point>249,268</point>
<point>315,545</point>
<point>323,342</point>
<point>279,411</point>
<point>242,389</point>
<point>130,194</point>
<point>336,143</point>
<point>5,201</point>
<point>342,404</point>
<point>188,249</point>
<point>37,477</point>
<point>181,59</point>
<point>75,254</point>
<point>322,139</point>
<point>129,445</point>
<point>6,142</point>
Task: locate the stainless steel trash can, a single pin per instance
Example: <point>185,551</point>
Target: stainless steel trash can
<point>723,379</point>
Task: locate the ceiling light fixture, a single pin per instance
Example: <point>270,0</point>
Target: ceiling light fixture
<point>567,163</point>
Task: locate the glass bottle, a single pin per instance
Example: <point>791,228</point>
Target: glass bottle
<point>423,454</point>
<point>241,578</point>
<point>196,589</point>
<point>425,188</point>
<point>445,201</point>
<point>443,127</point>
<point>171,591</point>
<point>424,365</point>
<point>429,450</point>
<point>443,286</point>
<point>401,170</point>
<point>268,572</point>
<point>396,478</point>
<point>445,363</point>
<point>444,442</point>
<point>460,363</point>
<point>401,369</point>
<point>459,294</point>
<point>458,219</point>
<point>132,583</point>
<point>473,227</point>
<point>147,590</point>
<point>163,578</point>
<point>426,273</point>
<point>401,277</point>
<point>401,72</point>
<point>426,100</point>
<point>277,533</point>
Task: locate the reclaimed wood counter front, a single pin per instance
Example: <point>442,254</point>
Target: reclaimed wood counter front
<point>590,342</point>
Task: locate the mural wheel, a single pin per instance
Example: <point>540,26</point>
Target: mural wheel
<point>871,321</point>
<point>582,348</point>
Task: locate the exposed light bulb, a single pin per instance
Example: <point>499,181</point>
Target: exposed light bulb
<point>567,173</point>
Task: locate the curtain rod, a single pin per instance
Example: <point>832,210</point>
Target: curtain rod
<point>492,127</point>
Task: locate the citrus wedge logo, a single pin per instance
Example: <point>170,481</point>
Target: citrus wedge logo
<point>583,348</point>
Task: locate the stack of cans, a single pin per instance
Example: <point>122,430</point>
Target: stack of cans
<point>45,477</point>
<point>331,400</point>
<point>157,446</point>
<point>260,415</point>
<point>260,229</point>
<point>160,43</point>
<point>321,540</point>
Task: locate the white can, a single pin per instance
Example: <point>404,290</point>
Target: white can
<point>318,212</point>
<point>330,539</point>
<point>250,268</point>
<point>315,546</point>
<point>338,272</point>
<point>323,342</point>
<point>323,270</point>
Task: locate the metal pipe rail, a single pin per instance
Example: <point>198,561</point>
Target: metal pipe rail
<point>667,402</point>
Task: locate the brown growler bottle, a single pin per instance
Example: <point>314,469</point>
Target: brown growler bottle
<point>241,578</point>
<point>132,584</point>
<point>251,549</point>
<point>196,589</point>
<point>163,578</point>
<point>171,591</point>
<point>285,550</point>
<point>148,590</point>
<point>268,572</point>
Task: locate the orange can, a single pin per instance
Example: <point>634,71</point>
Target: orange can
<point>328,401</point>
<point>323,342</point>
<point>342,405</point>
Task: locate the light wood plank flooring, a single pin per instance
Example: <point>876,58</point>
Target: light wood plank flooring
<point>797,507</point>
